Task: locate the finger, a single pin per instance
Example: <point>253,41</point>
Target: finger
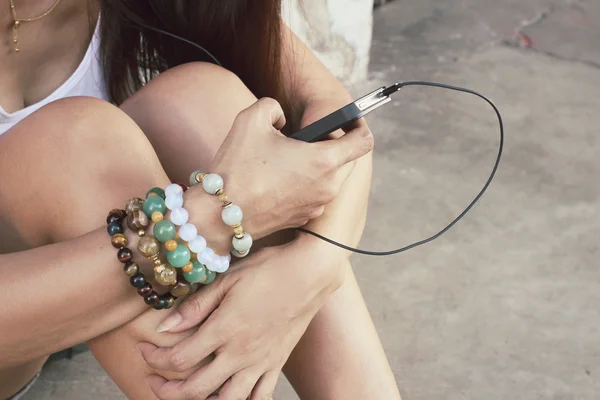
<point>267,108</point>
<point>196,308</point>
<point>200,385</point>
<point>185,354</point>
<point>353,145</point>
<point>265,387</point>
<point>239,386</point>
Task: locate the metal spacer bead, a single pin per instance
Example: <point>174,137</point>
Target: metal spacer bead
<point>228,204</point>
<point>239,235</point>
<point>141,233</point>
<point>219,192</point>
<point>199,177</point>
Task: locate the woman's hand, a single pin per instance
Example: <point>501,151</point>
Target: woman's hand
<point>256,315</point>
<point>280,182</point>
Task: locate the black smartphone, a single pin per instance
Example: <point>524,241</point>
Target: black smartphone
<point>319,130</point>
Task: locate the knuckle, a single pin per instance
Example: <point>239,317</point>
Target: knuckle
<point>178,361</point>
<point>327,160</point>
<point>195,393</point>
<point>193,305</point>
<point>327,194</point>
<point>316,212</point>
<point>368,141</point>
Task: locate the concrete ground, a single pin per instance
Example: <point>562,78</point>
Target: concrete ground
<point>507,304</point>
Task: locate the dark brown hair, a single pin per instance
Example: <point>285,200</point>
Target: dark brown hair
<point>244,35</point>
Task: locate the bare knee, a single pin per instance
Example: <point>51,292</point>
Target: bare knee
<point>193,104</point>
<point>65,154</point>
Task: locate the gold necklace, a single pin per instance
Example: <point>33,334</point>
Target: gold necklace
<point>17,21</point>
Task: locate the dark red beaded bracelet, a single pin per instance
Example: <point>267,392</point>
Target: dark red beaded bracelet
<point>125,255</point>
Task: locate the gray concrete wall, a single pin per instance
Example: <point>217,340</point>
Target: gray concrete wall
<point>338,31</point>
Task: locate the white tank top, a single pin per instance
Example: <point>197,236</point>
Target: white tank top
<point>87,80</point>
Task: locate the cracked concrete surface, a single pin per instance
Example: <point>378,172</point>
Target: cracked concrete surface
<point>506,305</point>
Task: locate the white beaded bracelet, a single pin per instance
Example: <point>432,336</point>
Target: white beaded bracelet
<point>232,214</point>
<point>189,233</point>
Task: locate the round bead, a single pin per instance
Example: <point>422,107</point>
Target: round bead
<point>165,274</point>
<point>220,265</point>
<point>196,177</point>
<point>157,216</point>
<point>179,216</point>
<point>173,190</point>
<point>211,183</point>
<point>242,244</point>
<point>138,281</point>
<point>164,231</point>
<point>232,215</point>
<point>118,240</point>
<point>148,246</point>
<point>125,255</point>
<point>137,220</point>
<point>179,257</point>
<point>157,191</point>
<point>133,204</point>
<point>170,245</point>
<point>151,299</point>
<point>181,289</point>
<point>153,204</point>
<point>131,269</point>
<point>162,303</point>
<point>197,245</point>
<point>210,277</point>
<point>115,215</point>
<point>170,300</point>
<point>188,232</point>
<point>206,256</point>
<point>173,202</point>
<point>113,228</point>
<point>197,274</point>
<point>188,267</point>
<point>145,290</point>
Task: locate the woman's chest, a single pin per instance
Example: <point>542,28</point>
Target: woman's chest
<point>50,51</point>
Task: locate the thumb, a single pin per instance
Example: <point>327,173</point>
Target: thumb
<point>196,307</point>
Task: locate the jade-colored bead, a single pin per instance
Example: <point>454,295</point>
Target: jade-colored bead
<point>197,274</point>
<point>180,256</point>
<point>154,203</point>
<point>160,192</point>
<point>164,231</point>
<point>210,276</point>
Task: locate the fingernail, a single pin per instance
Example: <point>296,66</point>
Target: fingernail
<point>170,322</point>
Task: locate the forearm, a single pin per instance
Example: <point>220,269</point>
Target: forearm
<point>59,295</point>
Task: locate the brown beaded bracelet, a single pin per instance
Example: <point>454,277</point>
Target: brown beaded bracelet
<point>125,255</point>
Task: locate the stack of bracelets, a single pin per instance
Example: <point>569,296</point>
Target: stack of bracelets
<point>180,256</point>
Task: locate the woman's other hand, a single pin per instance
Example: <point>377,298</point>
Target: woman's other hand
<point>254,317</point>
